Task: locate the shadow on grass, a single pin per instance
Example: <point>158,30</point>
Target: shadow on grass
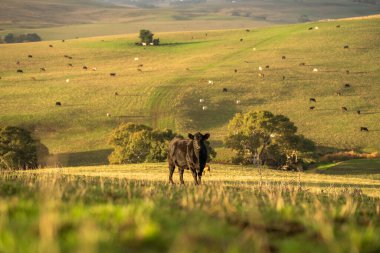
<point>75,159</point>
<point>180,43</point>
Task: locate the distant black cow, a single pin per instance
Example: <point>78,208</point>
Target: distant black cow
<point>42,69</point>
<point>70,65</point>
<point>50,45</point>
<point>235,70</point>
<point>140,65</point>
<point>347,72</point>
<point>139,70</point>
<point>338,26</point>
<point>283,57</point>
<point>346,46</point>
<point>311,107</point>
<point>344,108</point>
<point>85,67</point>
<point>18,63</point>
<point>116,94</point>
<point>247,30</point>
<point>302,64</point>
<point>241,40</point>
<point>225,89</point>
<point>347,85</point>
<point>358,112</point>
<point>58,103</point>
<point>20,71</point>
<point>112,74</point>
<point>70,57</point>
<point>189,154</point>
<point>283,78</point>
<point>364,129</point>
<point>310,28</point>
<point>63,40</point>
<point>267,66</point>
<point>312,100</point>
<point>30,56</point>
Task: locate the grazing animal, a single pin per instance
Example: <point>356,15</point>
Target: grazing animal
<point>70,65</point>
<point>204,108</point>
<point>50,45</point>
<point>302,64</point>
<point>67,80</point>
<point>358,112</point>
<point>338,26</point>
<point>347,72</point>
<point>310,28</point>
<point>210,82</point>
<point>139,70</point>
<point>187,69</point>
<point>58,103</point>
<point>116,94</point>
<point>235,70</point>
<point>20,71</point>
<point>315,70</point>
<point>344,108</point>
<point>283,78</point>
<point>94,69</point>
<point>316,28</point>
<point>108,115</point>
<point>143,43</point>
<point>238,102</point>
<point>140,65</point>
<point>283,57</point>
<point>312,100</point>
<point>241,40</point>
<point>311,107</point>
<point>201,100</point>
<point>190,154</point>
<point>66,56</point>
<point>364,129</point>
<point>63,40</point>
<point>267,66</point>
<point>260,68</point>
<point>70,57</point>
<point>346,46</point>
<point>247,30</point>
<point>112,74</point>
<point>30,56</point>
<point>18,63</point>
<point>347,85</point>
<point>206,34</point>
<point>225,89</point>
<point>261,75</point>
<point>42,69</point>
<point>85,67</point>
<point>136,58</point>
<point>338,93</point>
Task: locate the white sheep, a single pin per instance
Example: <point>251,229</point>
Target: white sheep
<point>201,100</point>
<point>136,58</point>
<point>204,108</point>
<point>108,115</point>
<point>315,70</point>
<point>67,80</point>
<point>316,28</point>
<point>210,82</point>
<point>260,68</point>
<point>94,69</point>
<point>238,102</point>
<point>144,44</point>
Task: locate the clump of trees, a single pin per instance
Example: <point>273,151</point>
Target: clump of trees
<point>136,143</point>
<point>262,138</point>
<point>11,38</point>
<point>18,150</point>
<point>146,38</point>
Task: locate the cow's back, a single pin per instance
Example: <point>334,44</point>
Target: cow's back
<point>177,151</point>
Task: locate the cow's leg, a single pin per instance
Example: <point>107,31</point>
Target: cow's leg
<point>171,171</point>
<point>181,170</point>
<point>194,176</point>
<point>200,177</point>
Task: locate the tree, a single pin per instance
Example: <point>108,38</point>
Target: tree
<point>135,143</point>
<point>17,149</point>
<point>32,37</point>
<point>262,138</point>
<point>9,38</point>
<point>146,36</point>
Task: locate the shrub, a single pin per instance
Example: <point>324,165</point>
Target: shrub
<point>146,36</point>
<point>17,149</point>
<point>262,138</point>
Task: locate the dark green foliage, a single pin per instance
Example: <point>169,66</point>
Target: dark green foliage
<point>17,149</point>
<point>260,137</point>
<point>146,36</point>
<point>138,143</point>
<point>30,37</point>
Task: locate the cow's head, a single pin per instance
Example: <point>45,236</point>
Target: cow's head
<point>198,140</point>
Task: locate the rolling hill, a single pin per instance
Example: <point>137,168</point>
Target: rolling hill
<point>175,76</point>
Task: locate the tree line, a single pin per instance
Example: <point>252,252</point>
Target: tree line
<point>12,38</point>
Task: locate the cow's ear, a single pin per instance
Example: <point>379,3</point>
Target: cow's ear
<point>206,136</point>
<point>191,136</point>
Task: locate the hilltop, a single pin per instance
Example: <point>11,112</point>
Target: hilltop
<point>175,76</point>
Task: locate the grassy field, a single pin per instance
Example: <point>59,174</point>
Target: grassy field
<point>237,209</point>
<point>175,76</point>
<point>68,19</point>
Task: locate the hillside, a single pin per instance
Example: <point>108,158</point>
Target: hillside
<point>175,76</point>
<point>68,19</point>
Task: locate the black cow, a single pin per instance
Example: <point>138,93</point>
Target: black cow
<point>50,45</point>
<point>235,70</point>
<point>338,26</point>
<point>42,69</point>
<point>85,67</point>
<point>311,107</point>
<point>344,108</point>
<point>346,46</point>
<point>283,57</point>
<point>358,112</point>
<point>190,154</point>
<point>347,85</point>
<point>241,40</point>
<point>58,103</point>
<point>20,71</point>
<point>225,89</point>
<point>310,28</point>
<point>364,129</point>
<point>112,74</point>
<point>312,100</point>
<point>302,64</point>
<point>30,56</point>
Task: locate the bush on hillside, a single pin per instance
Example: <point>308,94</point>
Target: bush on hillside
<point>134,143</point>
<point>146,37</point>
<point>262,138</point>
<point>30,37</point>
<point>17,149</point>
